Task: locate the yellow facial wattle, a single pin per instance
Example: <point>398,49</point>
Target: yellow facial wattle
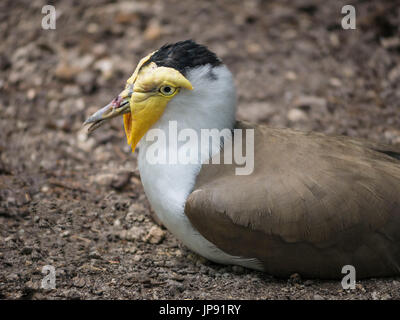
<point>150,98</point>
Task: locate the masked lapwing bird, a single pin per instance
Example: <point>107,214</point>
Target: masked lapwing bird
<point>307,203</point>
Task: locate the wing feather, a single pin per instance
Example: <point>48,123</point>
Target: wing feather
<point>313,204</point>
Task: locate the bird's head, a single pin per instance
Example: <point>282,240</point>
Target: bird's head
<point>159,78</point>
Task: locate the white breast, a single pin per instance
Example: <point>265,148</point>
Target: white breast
<point>167,187</point>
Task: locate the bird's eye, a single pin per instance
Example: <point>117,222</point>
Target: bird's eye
<point>167,90</point>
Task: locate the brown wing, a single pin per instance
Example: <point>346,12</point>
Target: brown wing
<point>313,204</point>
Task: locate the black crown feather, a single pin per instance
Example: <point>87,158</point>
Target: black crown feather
<point>184,55</point>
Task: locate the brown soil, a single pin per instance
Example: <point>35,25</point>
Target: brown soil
<point>76,202</point>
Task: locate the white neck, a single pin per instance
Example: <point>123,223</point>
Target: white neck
<point>210,105</point>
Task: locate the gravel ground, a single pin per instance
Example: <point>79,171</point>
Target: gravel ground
<point>76,202</point>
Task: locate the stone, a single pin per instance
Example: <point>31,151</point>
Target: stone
<point>153,31</point>
<point>26,250</point>
<point>133,234</point>
<point>94,254</point>
<point>255,112</point>
<point>310,103</point>
<point>87,81</point>
<point>65,72</point>
<point>105,66</point>
<point>295,278</point>
<point>78,282</point>
<point>297,115</point>
<point>238,269</point>
<point>155,235</point>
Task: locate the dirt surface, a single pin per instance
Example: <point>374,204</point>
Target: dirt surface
<point>76,202</point>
